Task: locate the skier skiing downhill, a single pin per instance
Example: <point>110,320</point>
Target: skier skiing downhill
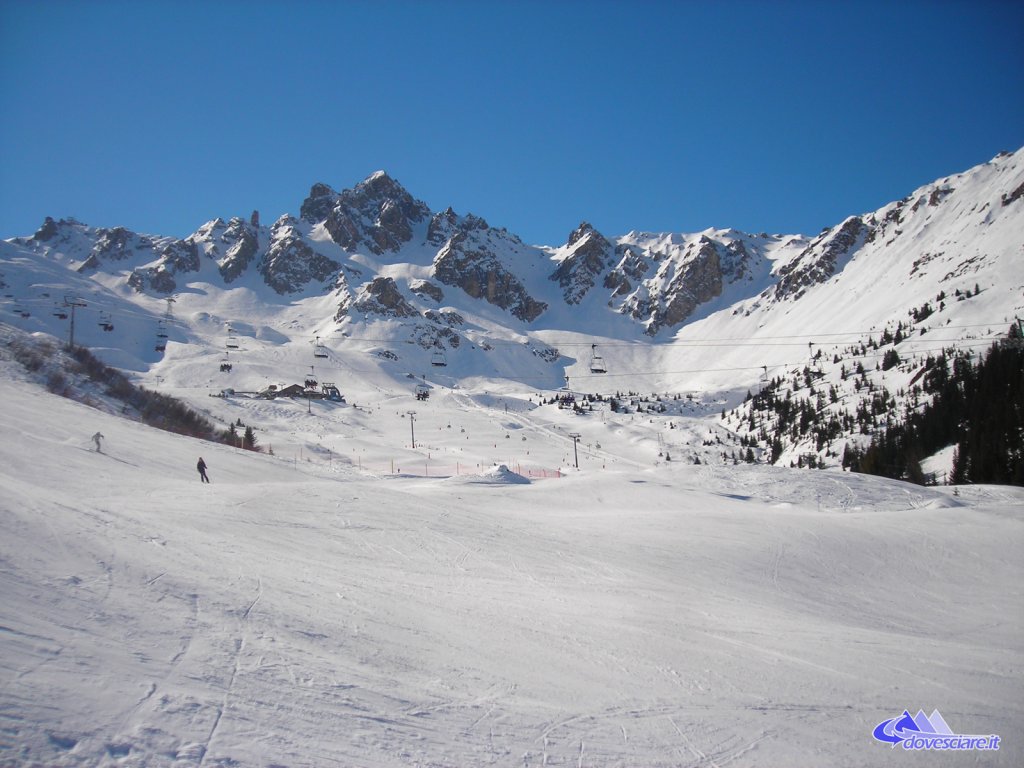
<point>201,466</point>
<point>96,439</point>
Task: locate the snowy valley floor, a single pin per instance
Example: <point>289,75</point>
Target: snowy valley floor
<point>673,616</point>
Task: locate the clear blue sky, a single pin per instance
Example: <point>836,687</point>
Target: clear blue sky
<point>665,116</point>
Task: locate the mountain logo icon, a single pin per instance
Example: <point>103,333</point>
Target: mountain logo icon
<point>923,731</point>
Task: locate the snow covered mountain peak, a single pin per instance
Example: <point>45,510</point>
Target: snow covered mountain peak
<point>378,214</point>
<point>374,253</point>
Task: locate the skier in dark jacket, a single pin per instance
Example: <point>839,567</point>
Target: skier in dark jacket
<point>201,466</point>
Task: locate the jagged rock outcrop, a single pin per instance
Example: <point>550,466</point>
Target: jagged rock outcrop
<point>377,214</point>
<point>243,244</point>
<point>682,283</point>
<point>381,296</point>
<point>442,226</point>
<point>47,231</point>
<point>445,317</point>
<point>631,266</point>
<point>819,260</point>
<point>590,255</point>
<point>425,288</point>
<point>434,336</point>
<point>176,258</point>
<point>290,264</point>
<point>445,224</point>
<point>116,244</point>
<point>699,280</point>
<point>1015,195</point>
<point>468,263</point>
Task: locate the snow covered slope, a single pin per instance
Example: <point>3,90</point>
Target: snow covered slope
<point>364,602</point>
<point>504,572</point>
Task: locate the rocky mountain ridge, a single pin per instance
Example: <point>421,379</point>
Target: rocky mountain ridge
<point>656,282</point>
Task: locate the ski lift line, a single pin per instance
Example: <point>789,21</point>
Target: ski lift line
<point>872,355</point>
<point>685,343</point>
<point>791,367</point>
<point>711,341</point>
<point>118,314</point>
<point>132,312</point>
<point>121,312</point>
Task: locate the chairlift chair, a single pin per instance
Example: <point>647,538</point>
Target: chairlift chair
<point>597,362</point>
<point>438,359</point>
<point>319,350</point>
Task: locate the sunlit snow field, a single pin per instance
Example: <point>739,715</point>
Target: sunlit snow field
<point>348,606</point>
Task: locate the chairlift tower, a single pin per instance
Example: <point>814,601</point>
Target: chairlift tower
<point>575,441</point>
<point>412,426</point>
<point>72,302</point>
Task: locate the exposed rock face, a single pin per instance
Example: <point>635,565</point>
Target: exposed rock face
<point>377,214</point>
<point>428,289</point>
<point>117,244</point>
<point>591,255</point>
<point>290,264</point>
<point>631,266</point>
<point>433,336</point>
<point>381,297</point>
<point>442,226</point>
<point>178,257</point>
<point>469,264</point>
<point>243,243</point>
<point>1014,196</point>
<point>47,231</point>
<point>818,261</point>
<point>698,281</point>
<point>683,281</point>
<point>445,317</point>
<point>445,224</point>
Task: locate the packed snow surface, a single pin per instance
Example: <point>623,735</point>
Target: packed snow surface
<point>303,610</point>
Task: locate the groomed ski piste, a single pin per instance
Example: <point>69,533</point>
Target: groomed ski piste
<point>351,600</point>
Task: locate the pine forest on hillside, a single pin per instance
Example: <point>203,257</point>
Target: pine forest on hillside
<point>977,406</point>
